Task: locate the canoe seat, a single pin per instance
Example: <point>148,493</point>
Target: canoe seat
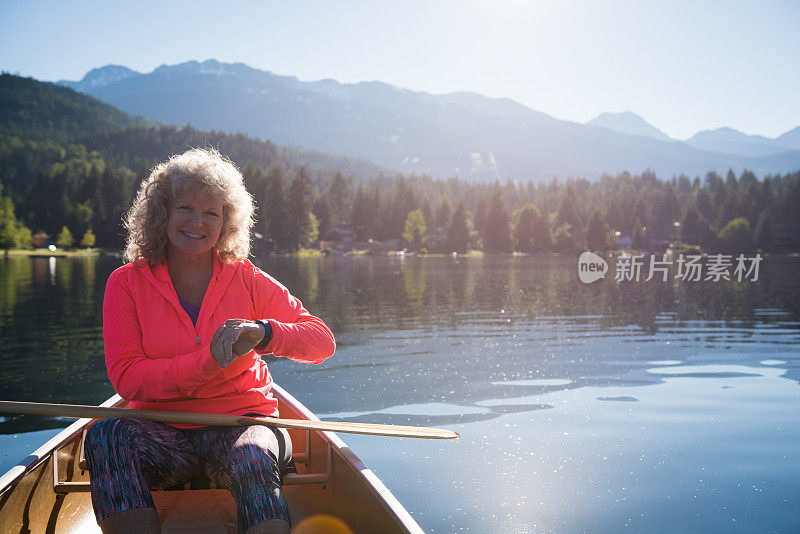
<point>291,476</point>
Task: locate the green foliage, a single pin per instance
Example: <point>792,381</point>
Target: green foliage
<point>736,236</point>
<point>301,226</point>
<point>458,232</point>
<point>24,236</point>
<point>13,234</point>
<point>497,233</point>
<point>567,212</point>
<point>596,232</point>
<point>47,112</point>
<point>395,212</point>
<point>638,239</point>
<point>562,238</point>
<point>764,233</point>
<point>322,212</point>
<point>338,199</point>
<point>365,214</point>
<point>414,229</point>
<point>312,234</point>
<point>274,208</point>
<point>666,211</point>
<point>690,225</point>
<point>443,214</point>
<point>65,239</point>
<point>530,231</point>
<point>88,239</point>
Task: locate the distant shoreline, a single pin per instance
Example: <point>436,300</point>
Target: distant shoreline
<point>43,252</point>
<point>313,253</point>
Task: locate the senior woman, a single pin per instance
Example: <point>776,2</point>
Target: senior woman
<point>185,322</point>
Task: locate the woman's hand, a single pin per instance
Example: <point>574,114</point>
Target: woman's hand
<point>235,338</point>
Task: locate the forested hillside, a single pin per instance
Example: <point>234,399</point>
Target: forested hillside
<point>30,109</point>
<point>69,160</point>
<point>77,163</point>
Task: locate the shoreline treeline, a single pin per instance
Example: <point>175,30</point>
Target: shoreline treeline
<point>67,160</point>
<point>47,187</point>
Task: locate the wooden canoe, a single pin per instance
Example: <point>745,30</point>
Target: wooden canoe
<point>48,491</point>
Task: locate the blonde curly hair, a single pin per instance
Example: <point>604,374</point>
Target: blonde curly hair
<point>197,171</point>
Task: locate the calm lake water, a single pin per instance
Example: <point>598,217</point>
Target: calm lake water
<point>638,406</point>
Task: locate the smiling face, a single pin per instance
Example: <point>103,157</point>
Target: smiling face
<point>194,224</point>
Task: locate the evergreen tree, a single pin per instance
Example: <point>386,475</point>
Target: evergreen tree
<point>638,240</point>
<point>322,212</point>
<point>666,213</point>
<point>338,198</point>
<point>690,230</point>
<point>443,214</point>
<point>764,233</point>
<point>567,209</point>
<point>728,211</point>
<point>275,208</point>
<point>530,231</point>
<point>640,213</point>
<point>497,234</point>
<point>414,229</point>
<point>615,215</point>
<point>65,239</point>
<point>394,215</point>
<point>480,215</point>
<point>427,214</point>
<point>703,203</point>
<point>596,232</point>
<point>83,215</point>
<point>256,182</point>
<point>789,201</point>
<point>374,208</point>
<point>88,239</point>
<point>298,218</point>
<point>359,218</point>
<point>541,234</point>
<point>563,240</point>
<point>458,232</point>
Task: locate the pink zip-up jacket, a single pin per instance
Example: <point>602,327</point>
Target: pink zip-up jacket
<point>159,360</point>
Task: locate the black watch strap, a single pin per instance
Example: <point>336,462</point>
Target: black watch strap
<point>267,334</point>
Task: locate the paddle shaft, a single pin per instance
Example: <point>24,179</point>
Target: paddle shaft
<point>79,411</point>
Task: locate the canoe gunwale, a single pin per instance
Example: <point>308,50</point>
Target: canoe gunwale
<point>335,444</point>
<point>393,506</point>
<point>11,477</point>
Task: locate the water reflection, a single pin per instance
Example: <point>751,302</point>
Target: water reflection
<point>423,288</point>
<point>581,407</point>
<point>466,329</point>
<point>51,331</point>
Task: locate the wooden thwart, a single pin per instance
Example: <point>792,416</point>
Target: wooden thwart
<point>98,412</point>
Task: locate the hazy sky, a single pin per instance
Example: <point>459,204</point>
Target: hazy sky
<point>684,66</point>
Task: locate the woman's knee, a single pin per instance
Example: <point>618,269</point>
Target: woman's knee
<point>106,434</point>
<point>274,442</point>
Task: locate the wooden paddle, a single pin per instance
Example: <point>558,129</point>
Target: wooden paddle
<point>210,419</point>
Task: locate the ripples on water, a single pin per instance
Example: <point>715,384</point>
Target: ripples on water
<point>649,406</point>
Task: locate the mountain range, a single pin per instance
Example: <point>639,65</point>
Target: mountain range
<point>464,134</point>
<point>724,140</point>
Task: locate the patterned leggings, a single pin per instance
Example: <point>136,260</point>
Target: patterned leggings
<point>126,457</point>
